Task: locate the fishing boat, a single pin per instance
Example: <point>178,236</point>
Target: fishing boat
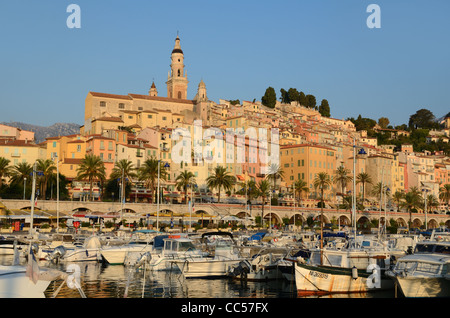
<point>425,273</point>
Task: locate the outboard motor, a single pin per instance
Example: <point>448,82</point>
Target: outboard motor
<point>241,269</point>
<point>144,259</point>
<point>57,254</point>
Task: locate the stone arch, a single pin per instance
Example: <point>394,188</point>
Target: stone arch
<point>344,220</point>
<point>363,223</point>
<point>297,217</point>
<point>128,210</point>
<point>417,223</point>
<point>81,209</point>
<point>272,217</point>
<point>447,223</point>
<point>243,214</point>
<point>433,224</point>
<point>401,222</point>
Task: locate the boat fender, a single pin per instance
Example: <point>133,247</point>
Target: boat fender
<point>354,272</point>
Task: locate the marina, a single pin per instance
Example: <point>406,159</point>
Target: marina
<point>225,265</point>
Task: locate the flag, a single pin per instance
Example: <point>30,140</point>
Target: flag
<point>32,267</point>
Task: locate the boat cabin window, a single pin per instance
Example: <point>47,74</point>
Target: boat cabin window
<point>333,260</point>
<point>428,268</point>
<point>424,248</point>
<point>185,246</point>
<point>442,249</point>
<point>408,266</point>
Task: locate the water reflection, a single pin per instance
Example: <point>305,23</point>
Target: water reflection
<point>100,280</point>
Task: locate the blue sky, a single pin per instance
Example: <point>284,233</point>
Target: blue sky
<point>239,48</point>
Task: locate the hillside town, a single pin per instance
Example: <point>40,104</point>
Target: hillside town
<point>130,134</point>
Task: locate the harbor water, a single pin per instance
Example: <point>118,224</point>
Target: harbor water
<point>101,280</point>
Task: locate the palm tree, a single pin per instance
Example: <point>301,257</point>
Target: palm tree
<point>5,169</point>
<point>342,176</point>
<point>263,191</point>
<point>220,179</point>
<point>148,172</point>
<point>411,201</point>
<point>183,181</point>
<point>363,178</point>
<point>275,173</point>
<point>300,186</point>
<point>444,193</point>
<point>21,171</point>
<point>322,181</point>
<point>123,168</point>
<point>398,196</point>
<point>432,202</point>
<point>47,168</point>
<point>91,168</point>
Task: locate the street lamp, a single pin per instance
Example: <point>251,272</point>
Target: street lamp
<point>425,191</point>
<point>24,186</point>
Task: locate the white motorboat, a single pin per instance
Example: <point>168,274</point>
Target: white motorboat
<point>89,251</point>
<point>7,245</point>
<point>175,248</point>
<point>216,264</point>
<point>118,255</point>
<point>425,273</point>
<point>14,282</point>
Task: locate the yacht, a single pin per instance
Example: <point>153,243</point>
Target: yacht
<point>223,255</point>
<point>425,273</point>
<point>118,255</point>
<point>175,247</point>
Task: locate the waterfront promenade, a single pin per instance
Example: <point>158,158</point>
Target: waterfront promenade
<point>219,211</point>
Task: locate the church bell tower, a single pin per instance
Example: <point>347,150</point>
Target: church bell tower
<point>177,79</point>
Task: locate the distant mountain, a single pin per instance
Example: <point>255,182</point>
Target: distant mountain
<point>55,130</point>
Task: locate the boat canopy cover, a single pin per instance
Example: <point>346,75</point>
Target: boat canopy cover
<point>158,241</point>
<point>258,236</point>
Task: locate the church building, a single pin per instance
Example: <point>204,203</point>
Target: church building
<point>104,111</point>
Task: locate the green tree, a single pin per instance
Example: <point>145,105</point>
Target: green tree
<point>220,179</point>
<point>383,122</point>
<point>270,98</point>
<point>284,96</point>
<point>322,181</point>
<point>91,168</point>
<point>293,94</point>
<point>411,201</point>
<point>342,177</point>
<point>444,193</point>
<point>124,168</point>
<point>324,108</point>
<point>423,118</point>
<point>363,178</point>
<point>263,191</point>
<point>398,196</point>
<point>275,173</point>
<point>302,99</point>
<point>5,169</point>
<point>48,168</point>
<point>148,173</point>
<point>311,101</point>
<point>183,181</point>
<point>300,186</point>
<point>21,171</point>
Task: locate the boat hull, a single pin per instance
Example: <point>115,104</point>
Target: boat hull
<point>15,284</point>
<point>205,268</point>
<point>413,287</point>
<point>323,280</point>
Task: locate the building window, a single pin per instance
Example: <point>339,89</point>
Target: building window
<point>121,105</point>
<point>103,104</point>
<point>150,116</point>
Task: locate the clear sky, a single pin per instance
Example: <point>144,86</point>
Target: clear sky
<point>238,48</point>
